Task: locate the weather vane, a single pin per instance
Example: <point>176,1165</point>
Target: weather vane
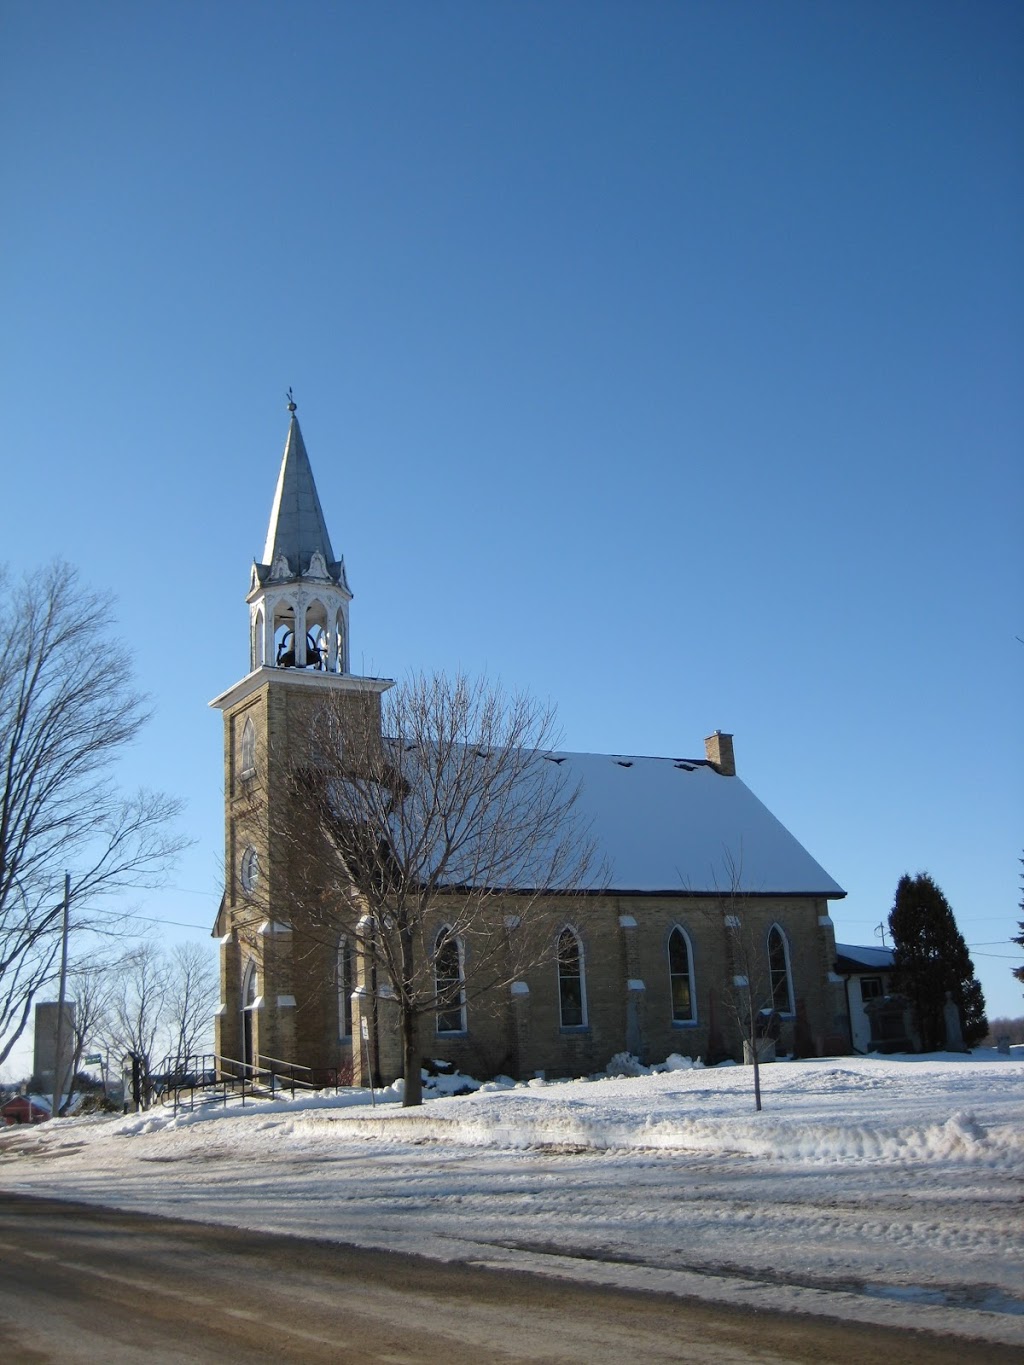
<point>291,400</point>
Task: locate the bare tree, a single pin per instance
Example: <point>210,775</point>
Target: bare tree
<point>743,993</point>
<point>193,992</point>
<point>90,987</point>
<point>443,845</point>
<point>67,713</point>
<point>137,1014</point>
<point>748,992</point>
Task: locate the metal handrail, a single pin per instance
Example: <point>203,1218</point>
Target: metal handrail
<point>231,1078</point>
<point>279,1061</point>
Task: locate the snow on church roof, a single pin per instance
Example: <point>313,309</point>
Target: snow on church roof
<point>677,825</point>
<point>664,826</point>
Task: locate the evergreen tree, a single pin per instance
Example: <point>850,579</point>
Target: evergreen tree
<point>931,958</point>
<point>1019,940</point>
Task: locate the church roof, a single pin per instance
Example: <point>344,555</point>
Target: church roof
<point>297,528</point>
<point>661,826</point>
<point>678,826</point>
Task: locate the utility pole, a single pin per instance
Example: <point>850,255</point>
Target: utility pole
<point>58,1061</point>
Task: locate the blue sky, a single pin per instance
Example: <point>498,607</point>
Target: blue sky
<point>663,359</point>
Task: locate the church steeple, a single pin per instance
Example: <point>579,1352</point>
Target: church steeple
<point>297,529</point>
<point>298,595</point>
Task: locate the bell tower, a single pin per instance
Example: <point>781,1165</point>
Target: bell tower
<point>281,984</point>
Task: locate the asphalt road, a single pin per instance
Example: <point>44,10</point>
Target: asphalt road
<point>86,1284</point>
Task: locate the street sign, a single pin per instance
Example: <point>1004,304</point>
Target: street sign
<point>364,1030</point>
<point>94,1059</point>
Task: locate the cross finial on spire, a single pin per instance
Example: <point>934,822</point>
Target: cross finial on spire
<point>291,400</point>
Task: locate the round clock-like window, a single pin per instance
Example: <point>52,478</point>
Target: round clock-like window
<point>250,870</point>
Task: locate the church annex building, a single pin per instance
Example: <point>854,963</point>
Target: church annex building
<point>648,965</point>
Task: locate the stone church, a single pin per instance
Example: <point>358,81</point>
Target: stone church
<point>707,897</point>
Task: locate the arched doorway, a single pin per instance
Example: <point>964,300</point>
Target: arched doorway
<point>250,1003</point>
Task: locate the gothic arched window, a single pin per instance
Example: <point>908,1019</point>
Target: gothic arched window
<point>572,986</point>
<point>346,981</point>
<point>778,968</point>
<point>680,976</point>
<point>247,763</point>
<point>449,983</point>
<point>250,870</point>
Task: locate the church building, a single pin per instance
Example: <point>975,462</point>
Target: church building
<point>707,899</point>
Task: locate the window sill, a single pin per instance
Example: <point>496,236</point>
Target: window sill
<point>574,1028</point>
<point>685,1023</point>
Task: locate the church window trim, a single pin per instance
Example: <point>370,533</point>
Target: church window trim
<point>780,974</point>
<point>682,994</point>
<point>247,756</point>
<point>449,982</point>
<point>572,981</point>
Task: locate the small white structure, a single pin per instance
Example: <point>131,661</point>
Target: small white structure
<point>868,976</point>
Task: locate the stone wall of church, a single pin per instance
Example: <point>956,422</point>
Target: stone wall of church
<point>519,1031</point>
<point>628,990</point>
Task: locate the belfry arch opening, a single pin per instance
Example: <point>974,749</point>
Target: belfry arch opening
<point>306,636</point>
<point>319,652</point>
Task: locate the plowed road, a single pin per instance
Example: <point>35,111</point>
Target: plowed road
<point>85,1284</point>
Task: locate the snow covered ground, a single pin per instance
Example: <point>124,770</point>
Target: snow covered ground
<point>887,1190</point>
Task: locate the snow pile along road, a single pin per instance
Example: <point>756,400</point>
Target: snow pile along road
<point>887,1189</point>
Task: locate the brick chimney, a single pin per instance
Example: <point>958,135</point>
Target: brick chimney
<point>718,751</point>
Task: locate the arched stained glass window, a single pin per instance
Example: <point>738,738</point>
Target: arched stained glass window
<point>778,967</point>
<point>250,870</point>
<point>572,989</point>
<point>247,764</point>
<point>448,983</point>
<point>680,975</point>
<point>346,981</point>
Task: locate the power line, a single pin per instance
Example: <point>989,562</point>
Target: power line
<point>128,915</point>
<point>185,891</point>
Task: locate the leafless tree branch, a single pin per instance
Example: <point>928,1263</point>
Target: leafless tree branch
<point>67,713</point>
